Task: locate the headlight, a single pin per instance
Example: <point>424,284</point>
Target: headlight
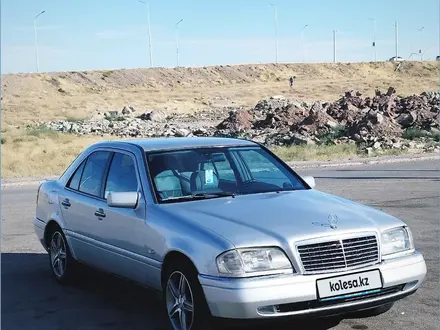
<point>396,240</point>
<point>252,260</point>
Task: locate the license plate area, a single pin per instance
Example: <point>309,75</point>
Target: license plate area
<point>345,286</point>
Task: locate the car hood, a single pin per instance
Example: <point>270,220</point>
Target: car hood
<point>276,218</point>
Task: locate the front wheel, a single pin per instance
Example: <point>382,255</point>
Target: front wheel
<point>185,302</point>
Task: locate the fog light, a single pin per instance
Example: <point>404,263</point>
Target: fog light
<point>273,309</point>
<point>410,285</point>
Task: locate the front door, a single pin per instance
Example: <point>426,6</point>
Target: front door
<point>125,232</point>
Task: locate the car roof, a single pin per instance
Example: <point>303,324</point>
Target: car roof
<point>168,143</point>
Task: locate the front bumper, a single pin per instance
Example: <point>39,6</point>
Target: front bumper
<point>295,295</point>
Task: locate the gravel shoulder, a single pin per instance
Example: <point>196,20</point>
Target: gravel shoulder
<point>29,181</point>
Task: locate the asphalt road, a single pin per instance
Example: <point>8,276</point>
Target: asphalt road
<point>32,300</point>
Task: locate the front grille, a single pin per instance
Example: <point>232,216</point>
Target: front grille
<point>339,255</point>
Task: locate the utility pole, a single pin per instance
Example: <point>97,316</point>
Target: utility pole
<point>275,14</point>
<point>374,38</point>
<point>302,43</point>
<point>149,36</point>
<point>37,59</point>
<point>150,45</point>
<point>334,46</point>
<point>419,44</point>
<point>177,41</point>
<point>396,37</point>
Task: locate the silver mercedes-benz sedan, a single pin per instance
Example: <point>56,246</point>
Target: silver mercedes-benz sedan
<point>223,228</point>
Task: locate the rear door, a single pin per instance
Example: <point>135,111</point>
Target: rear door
<point>82,203</point>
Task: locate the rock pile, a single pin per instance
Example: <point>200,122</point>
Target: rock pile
<point>379,122</point>
<point>128,123</point>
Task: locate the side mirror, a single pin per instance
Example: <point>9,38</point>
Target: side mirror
<point>123,199</point>
<point>310,180</point>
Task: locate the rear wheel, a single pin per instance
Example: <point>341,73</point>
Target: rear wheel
<point>61,262</point>
<point>185,302</point>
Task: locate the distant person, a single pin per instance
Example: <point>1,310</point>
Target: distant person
<point>292,81</point>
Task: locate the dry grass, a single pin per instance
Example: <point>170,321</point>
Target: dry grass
<point>329,152</point>
<point>316,152</point>
<point>40,153</point>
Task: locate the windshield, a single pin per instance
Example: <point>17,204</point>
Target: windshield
<point>202,173</point>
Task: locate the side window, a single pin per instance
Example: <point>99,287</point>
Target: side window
<point>93,175</point>
<point>74,180</point>
<point>122,175</point>
<point>263,169</point>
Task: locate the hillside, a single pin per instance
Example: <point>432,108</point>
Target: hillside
<point>165,102</point>
<point>61,95</point>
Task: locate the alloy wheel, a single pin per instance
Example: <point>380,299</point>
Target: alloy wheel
<point>58,257</point>
<point>180,301</point>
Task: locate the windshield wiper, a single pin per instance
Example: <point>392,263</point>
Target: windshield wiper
<point>215,194</point>
<point>268,191</point>
<point>199,196</point>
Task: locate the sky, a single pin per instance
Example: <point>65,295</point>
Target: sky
<point>113,34</point>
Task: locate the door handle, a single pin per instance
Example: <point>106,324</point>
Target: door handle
<point>100,213</point>
<point>66,203</point>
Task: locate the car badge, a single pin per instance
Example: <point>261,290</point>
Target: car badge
<point>332,222</point>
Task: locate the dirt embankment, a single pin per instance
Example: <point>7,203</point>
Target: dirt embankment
<point>178,102</point>
<point>59,95</point>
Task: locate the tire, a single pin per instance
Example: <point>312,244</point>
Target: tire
<point>193,305</point>
<point>61,262</point>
